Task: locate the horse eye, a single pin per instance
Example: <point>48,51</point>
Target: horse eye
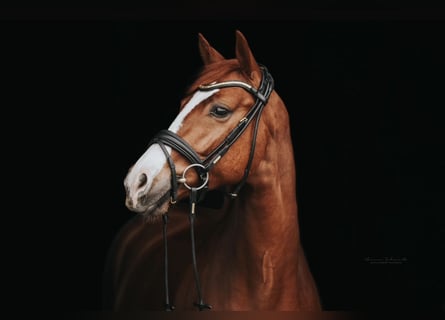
<point>219,111</point>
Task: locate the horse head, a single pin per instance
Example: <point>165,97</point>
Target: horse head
<point>210,144</point>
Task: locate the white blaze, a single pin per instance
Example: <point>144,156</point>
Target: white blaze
<point>153,160</point>
<point>197,98</point>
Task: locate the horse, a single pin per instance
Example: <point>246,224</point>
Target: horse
<point>231,137</point>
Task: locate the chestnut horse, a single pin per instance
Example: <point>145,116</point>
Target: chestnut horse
<point>231,135</point>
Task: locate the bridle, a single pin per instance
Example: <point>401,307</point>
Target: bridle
<point>171,139</point>
<point>203,166</point>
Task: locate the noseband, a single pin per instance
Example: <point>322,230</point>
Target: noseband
<point>203,166</point>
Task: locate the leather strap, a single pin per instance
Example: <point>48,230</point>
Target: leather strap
<point>169,138</point>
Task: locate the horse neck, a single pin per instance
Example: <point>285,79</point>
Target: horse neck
<point>264,218</point>
<point>268,210</point>
<point>258,235</point>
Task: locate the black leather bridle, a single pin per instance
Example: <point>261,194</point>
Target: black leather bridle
<point>203,166</point>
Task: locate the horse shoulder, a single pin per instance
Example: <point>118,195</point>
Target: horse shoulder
<point>135,242</point>
<point>116,256</point>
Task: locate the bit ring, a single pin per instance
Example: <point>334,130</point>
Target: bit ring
<point>184,180</point>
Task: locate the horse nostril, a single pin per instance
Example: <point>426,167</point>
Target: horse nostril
<point>142,180</point>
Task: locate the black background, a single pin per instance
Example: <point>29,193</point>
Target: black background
<point>86,89</point>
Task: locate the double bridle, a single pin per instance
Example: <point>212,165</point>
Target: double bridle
<point>203,166</point>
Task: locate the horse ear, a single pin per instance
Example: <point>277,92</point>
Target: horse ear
<point>207,52</point>
<point>245,57</point>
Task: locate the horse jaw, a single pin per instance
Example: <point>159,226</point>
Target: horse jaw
<point>147,184</point>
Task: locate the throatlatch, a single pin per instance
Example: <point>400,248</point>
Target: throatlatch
<point>203,166</point>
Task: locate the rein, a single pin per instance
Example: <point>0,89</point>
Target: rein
<point>202,167</point>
